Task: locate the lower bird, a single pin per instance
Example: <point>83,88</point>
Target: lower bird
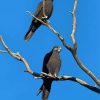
<point>48,8</point>
<point>51,66</point>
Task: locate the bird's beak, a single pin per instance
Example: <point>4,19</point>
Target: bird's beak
<point>59,48</point>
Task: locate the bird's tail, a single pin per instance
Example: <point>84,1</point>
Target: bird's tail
<point>45,89</point>
<point>30,33</point>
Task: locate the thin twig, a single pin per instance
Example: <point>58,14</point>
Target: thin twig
<point>74,22</point>
<point>2,51</point>
<point>16,56</point>
<point>74,25</point>
<point>36,17</point>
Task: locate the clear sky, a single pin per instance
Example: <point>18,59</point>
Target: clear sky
<point>14,23</point>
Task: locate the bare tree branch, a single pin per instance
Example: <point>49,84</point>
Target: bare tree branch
<point>87,71</point>
<point>44,75</point>
<point>74,22</point>
<point>2,51</point>
<point>16,56</point>
<point>74,49</point>
<point>36,18</point>
<point>74,79</point>
<point>71,49</point>
<point>52,29</point>
<point>74,26</point>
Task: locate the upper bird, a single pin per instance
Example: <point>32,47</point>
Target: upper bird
<point>48,8</point>
<point>51,65</point>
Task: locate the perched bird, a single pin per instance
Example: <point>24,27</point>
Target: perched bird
<point>51,65</point>
<point>48,8</point>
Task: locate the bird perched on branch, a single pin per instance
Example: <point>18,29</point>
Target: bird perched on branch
<point>51,66</point>
<point>41,13</point>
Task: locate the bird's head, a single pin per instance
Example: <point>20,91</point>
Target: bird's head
<point>57,48</point>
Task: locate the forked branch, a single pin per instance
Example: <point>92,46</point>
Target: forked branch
<point>73,49</point>
<point>44,75</point>
<point>16,56</point>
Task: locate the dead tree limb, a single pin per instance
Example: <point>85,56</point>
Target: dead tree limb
<point>73,49</point>
<point>18,57</point>
<point>3,51</point>
<point>74,79</point>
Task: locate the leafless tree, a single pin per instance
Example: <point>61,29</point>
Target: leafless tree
<point>72,49</point>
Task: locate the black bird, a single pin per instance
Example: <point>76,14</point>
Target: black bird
<point>39,14</point>
<point>51,65</point>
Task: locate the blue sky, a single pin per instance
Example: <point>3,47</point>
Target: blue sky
<point>14,23</point>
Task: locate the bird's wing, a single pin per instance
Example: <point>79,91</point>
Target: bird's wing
<point>46,59</point>
<point>37,13</point>
<point>39,9</point>
<point>54,64</point>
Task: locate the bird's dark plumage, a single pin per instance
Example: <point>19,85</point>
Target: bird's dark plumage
<point>51,65</point>
<point>39,14</point>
